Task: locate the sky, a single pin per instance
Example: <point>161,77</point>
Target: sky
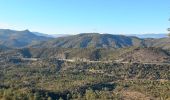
<point>82,16</point>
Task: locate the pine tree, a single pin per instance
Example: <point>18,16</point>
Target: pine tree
<point>49,98</point>
<point>60,98</point>
<point>37,96</point>
<point>169,30</point>
<point>90,95</point>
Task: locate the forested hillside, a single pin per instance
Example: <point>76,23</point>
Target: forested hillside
<point>92,40</point>
<point>88,74</point>
<point>55,79</point>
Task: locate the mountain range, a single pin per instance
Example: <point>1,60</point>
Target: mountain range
<point>92,40</point>
<point>20,39</point>
<point>12,38</point>
<point>150,35</point>
<point>51,35</point>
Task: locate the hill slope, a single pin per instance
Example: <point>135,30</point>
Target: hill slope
<point>146,55</point>
<point>163,43</point>
<point>93,40</point>
<point>11,38</point>
<point>130,54</point>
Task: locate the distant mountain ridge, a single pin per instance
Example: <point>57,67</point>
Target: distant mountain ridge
<point>20,39</point>
<point>96,40</point>
<point>150,35</point>
<point>51,35</point>
<point>42,34</point>
<point>92,40</point>
<point>12,38</point>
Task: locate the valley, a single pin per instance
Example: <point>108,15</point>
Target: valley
<point>86,67</point>
<point>84,50</point>
<point>72,73</point>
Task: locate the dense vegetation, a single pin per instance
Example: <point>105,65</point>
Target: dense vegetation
<point>55,79</point>
<point>130,54</point>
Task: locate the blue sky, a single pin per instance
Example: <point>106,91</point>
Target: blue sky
<point>78,16</point>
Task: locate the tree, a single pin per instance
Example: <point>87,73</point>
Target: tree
<point>90,95</point>
<point>49,98</point>
<point>60,98</point>
<point>169,30</point>
<point>37,96</point>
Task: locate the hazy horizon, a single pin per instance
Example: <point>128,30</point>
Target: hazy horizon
<point>41,33</point>
<point>73,17</point>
